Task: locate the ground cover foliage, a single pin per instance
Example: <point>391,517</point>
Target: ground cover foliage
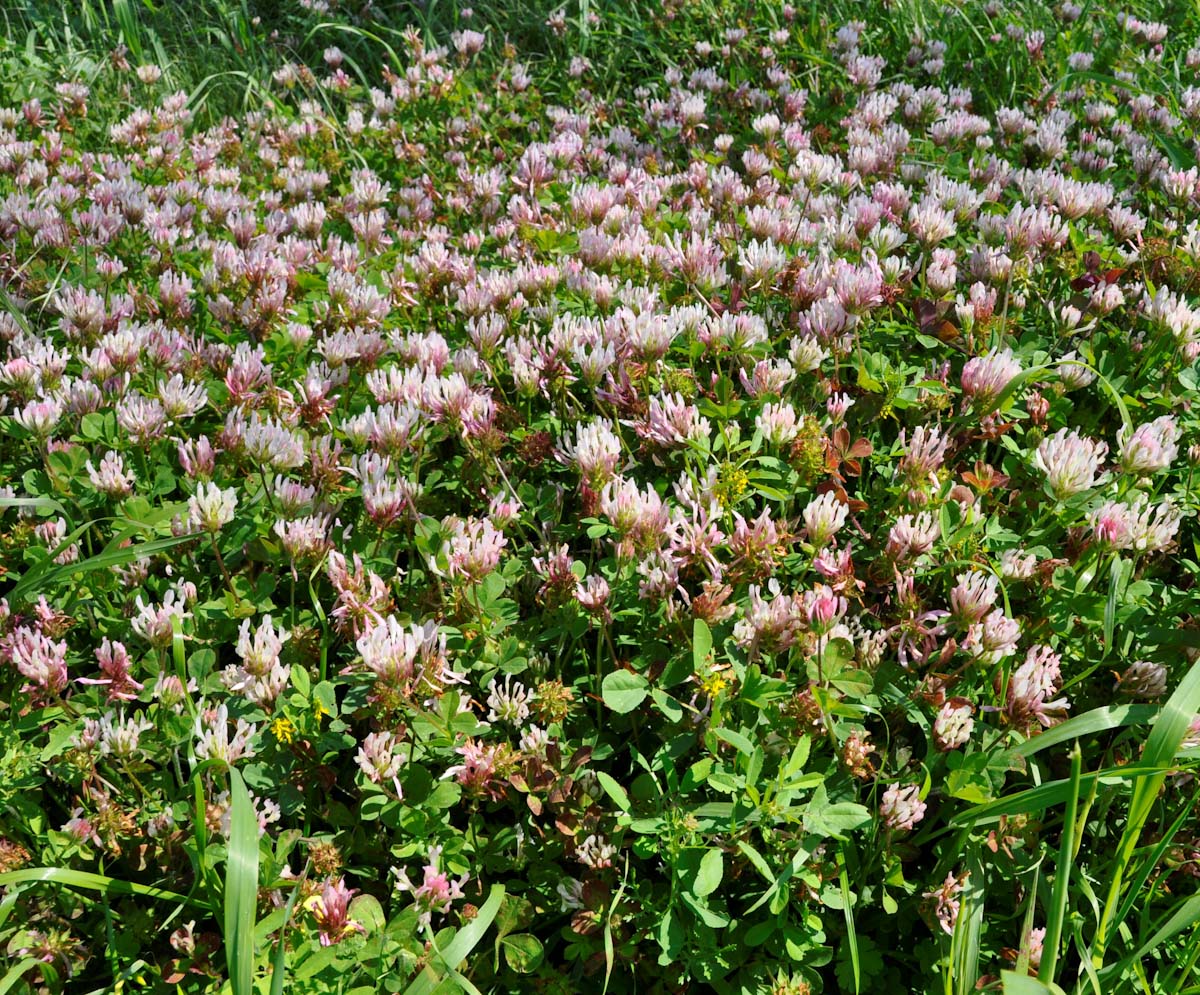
<point>684,498</point>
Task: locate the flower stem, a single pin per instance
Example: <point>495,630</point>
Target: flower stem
<point>225,572</point>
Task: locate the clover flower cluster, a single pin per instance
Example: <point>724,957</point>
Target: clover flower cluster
<point>439,457</point>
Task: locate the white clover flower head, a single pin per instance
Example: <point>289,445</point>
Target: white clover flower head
<point>211,508</point>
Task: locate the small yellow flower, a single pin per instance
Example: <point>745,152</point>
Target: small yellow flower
<point>319,710</point>
<point>283,729</point>
<point>731,485</point>
<point>714,682</point>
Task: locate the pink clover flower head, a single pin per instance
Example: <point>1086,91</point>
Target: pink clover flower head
<point>902,808</point>
<point>1071,462</point>
<point>985,377</point>
<point>437,891</point>
<point>331,910</point>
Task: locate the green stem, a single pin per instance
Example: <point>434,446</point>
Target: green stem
<point>378,543</point>
<point>224,572</point>
<point>599,678</point>
<point>267,491</point>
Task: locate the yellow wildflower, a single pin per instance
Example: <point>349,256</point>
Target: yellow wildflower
<point>731,485</point>
<point>714,682</point>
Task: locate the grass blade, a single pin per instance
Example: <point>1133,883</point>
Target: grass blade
<point>1062,875</point>
<point>130,29</point>
<point>179,658</point>
<point>200,831</point>
<point>608,940</point>
<point>848,912</point>
<point>1160,848</point>
<point>1081,949</point>
<point>1022,965</point>
<point>241,886</point>
<point>8,904</point>
<point>1161,746</point>
<point>1175,984</point>
<point>16,972</point>
<point>465,940</point>
<point>47,566</point>
<point>1118,578</point>
<point>964,943</point>
<point>1186,914</point>
<point>1088,724</point>
<point>46,504</point>
<point>46,575</point>
<point>93,882</point>
<point>279,963</point>
<point>1022,984</point>
<point>1055,793</point>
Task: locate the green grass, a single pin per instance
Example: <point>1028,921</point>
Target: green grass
<point>222,52</point>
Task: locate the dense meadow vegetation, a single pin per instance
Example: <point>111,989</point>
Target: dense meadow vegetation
<point>633,497</point>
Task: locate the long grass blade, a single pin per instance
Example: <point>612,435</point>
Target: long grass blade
<point>965,941</point>
<point>16,973</point>
<point>1082,951</point>
<point>130,29</point>
<point>465,940</point>
<point>848,913</point>
<point>45,504</point>
<point>1187,913</point>
<point>1138,881</point>
<point>1055,793</point>
<point>93,882</point>
<point>1161,746</point>
<point>1118,578</point>
<point>1088,724</point>
<point>279,963</point>
<point>241,886</point>
<point>48,574</point>
<point>8,904</point>
<point>608,940</point>
<point>1022,965</point>
<point>1062,875</point>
